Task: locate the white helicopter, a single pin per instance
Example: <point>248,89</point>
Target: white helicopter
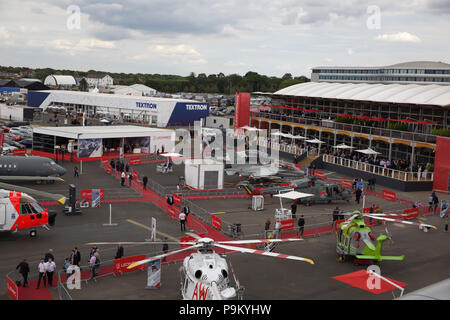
<point>205,274</point>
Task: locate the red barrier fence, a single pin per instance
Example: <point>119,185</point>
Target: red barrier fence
<point>121,265</point>
<point>389,195</point>
<point>216,222</point>
<point>12,289</point>
<point>287,224</point>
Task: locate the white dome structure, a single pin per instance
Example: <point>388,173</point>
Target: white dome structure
<point>60,80</point>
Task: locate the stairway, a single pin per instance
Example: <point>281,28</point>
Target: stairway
<point>307,161</point>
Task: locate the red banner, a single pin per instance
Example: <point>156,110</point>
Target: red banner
<point>318,173</point>
<point>11,289</point>
<point>410,213</point>
<point>177,199</point>
<point>216,222</point>
<point>87,194</point>
<point>135,161</point>
<point>172,212</point>
<point>2,139</point>
<point>287,224</point>
<point>242,110</point>
<point>120,265</point>
<point>19,152</point>
<point>389,195</point>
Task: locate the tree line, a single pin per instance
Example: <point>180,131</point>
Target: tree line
<point>200,83</point>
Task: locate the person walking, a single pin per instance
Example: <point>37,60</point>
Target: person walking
<point>358,194</point>
<point>435,203</point>
<point>430,203</point>
<point>130,179</point>
<point>49,255</point>
<point>92,261</point>
<point>119,252</point>
<point>144,182</point>
<point>24,270</point>
<point>294,209</point>
<point>50,267</point>
<point>301,225</point>
<point>278,228</point>
<point>42,276</point>
<point>267,225</point>
<point>127,168</point>
<point>76,257</point>
<point>76,174</point>
<point>182,217</point>
<point>122,179</point>
<point>165,248</point>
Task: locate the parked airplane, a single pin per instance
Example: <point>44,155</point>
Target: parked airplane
<point>33,168</point>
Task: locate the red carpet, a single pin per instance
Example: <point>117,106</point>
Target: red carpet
<point>31,293</point>
<point>358,279</point>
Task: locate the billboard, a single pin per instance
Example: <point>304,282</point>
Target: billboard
<point>90,148</point>
<point>154,274</point>
<point>121,265</point>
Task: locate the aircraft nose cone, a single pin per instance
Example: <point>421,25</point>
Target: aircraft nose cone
<point>61,171</point>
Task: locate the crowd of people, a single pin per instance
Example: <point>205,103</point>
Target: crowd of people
<point>401,165</point>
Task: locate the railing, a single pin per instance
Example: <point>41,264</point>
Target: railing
<point>386,133</point>
<point>379,170</point>
<point>285,147</point>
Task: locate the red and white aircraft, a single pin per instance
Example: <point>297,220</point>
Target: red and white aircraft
<point>19,211</point>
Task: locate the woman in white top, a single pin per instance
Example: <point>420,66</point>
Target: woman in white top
<point>41,269</point>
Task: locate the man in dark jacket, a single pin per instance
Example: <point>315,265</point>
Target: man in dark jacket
<point>165,248</point>
<point>24,269</point>
<point>119,253</point>
<point>48,255</point>
<point>301,225</point>
<point>294,209</point>
<point>144,182</point>
<point>358,193</point>
<point>76,257</point>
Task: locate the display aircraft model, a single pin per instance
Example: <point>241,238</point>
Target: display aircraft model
<point>19,211</point>
<point>275,171</point>
<point>205,273</point>
<point>33,168</point>
<point>355,239</point>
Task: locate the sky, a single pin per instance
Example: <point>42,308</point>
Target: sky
<point>271,37</point>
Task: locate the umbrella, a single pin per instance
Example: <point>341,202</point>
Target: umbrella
<point>343,146</point>
<point>314,141</point>
<point>368,151</point>
<point>293,195</point>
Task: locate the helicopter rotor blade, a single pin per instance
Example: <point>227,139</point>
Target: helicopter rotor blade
<point>139,243</point>
<point>35,193</point>
<point>138,263</point>
<point>193,235</point>
<point>402,221</point>
<point>264,253</point>
<point>257,241</point>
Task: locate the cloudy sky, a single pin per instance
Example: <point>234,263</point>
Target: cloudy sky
<point>270,37</point>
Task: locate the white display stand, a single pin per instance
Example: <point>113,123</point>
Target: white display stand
<point>257,203</point>
<point>195,171</point>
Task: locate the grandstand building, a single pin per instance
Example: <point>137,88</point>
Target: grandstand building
<point>419,72</point>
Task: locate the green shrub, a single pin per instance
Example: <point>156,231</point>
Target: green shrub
<point>441,132</point>
<point>397,126</point>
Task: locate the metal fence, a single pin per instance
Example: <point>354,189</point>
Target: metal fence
<point>379,170</point>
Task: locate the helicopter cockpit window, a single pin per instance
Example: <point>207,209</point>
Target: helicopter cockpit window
<point>27,208</point>
<point>37,207</point>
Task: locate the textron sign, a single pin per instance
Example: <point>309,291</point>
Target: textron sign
<point>196,107</point>
<point>146,105</point>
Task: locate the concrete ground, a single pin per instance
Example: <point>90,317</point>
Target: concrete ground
<point>427,256</point>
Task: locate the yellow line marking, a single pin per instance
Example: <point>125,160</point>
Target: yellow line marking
<point>150,229</point>
<point>217,212</point>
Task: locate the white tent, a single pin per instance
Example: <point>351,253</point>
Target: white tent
<point>298,137</point>
<point>343,146</point>
<point>368,151</point>
<point>278,133</point>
